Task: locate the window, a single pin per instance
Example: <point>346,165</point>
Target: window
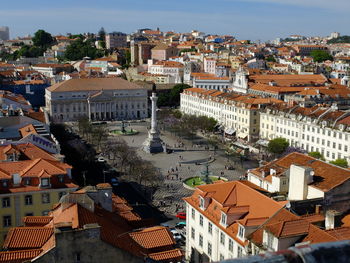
<point>222,238</point>
<point>223,219</point>
<point>269,240</point>
<point>61,178</point>
<point>201,220</point>
<point>239,252</point>
<point>45,212</point>
<point>26,181</point>
<point>45,182</point>
<point>4,183</point>
<point>241,232</point>
<point>77,257</point>
<point>28,200</point>
<point>29,214</point>
<point>192,232</point>
<point>200,240</point>
<point>210,228</point>
<point>45,198</point>
<point>221,257</point>
<point>209,248</point>
<point>6,221</point>
<point>201,202</point>
<point>6,202</point>
<point>230,245</point>
<point>193,213</point>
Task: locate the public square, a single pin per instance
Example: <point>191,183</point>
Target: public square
<point>179,165</point>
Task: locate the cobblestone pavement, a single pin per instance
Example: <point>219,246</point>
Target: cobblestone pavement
<point>169,197</point>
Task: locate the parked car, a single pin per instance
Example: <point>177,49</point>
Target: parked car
<point>114,182</point>
<point>101,159</point>
<point>177,236</point>
<point>181,215</point>
<point>181,225</point>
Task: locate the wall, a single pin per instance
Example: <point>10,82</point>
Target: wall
<point>90,247</point>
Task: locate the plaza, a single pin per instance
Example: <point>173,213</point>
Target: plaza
<point>180,164</point>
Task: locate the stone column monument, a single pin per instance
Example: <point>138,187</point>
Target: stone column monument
<point>153,144</point>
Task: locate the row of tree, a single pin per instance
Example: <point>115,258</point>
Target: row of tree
<point>121,156</point>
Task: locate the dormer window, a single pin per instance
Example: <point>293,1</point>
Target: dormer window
<point>201,202</point>
<point>241,231</point>
<point>26,181</point>
<point>45,182</point>
<point>4,183</point>
<point>61,178</point>
<point>223,219</point>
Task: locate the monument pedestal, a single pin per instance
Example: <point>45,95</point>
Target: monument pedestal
<point>153,145</point>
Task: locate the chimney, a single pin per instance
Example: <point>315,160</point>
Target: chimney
<point>332,219</point>
<point>299,178</point>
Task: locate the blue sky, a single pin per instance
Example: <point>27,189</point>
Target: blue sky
<point>245,19</point>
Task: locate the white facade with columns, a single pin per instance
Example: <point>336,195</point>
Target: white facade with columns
<point>100,99</point>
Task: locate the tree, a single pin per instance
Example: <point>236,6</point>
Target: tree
<point>174,96</point>
<point>278,145</point>
<point>270,59</point>
<point>342,39</point>
<point>42,39</point>
<point>30,51</point>
<point>341,163</point>
<point>317,155</point>
<point>101,34</point>
<point>320,55</point>
<point>80,49</point>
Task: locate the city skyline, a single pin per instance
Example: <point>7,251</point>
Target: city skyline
<point>249,19</point>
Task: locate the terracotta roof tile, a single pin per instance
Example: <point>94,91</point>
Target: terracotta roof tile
<point>27,237</point>
<point>153,237</point>
<point>19,255</point>
<point>175,254</point>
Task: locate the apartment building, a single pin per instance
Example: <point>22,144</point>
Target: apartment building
<point>232,110</point>
<point>172,68</point>
<point>96,98</point>
<point>116,40</point>
<point>321,129</point>
<point>221,216</point>
<point>30,187</point>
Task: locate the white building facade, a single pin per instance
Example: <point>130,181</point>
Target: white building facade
<point>98,99</point>
<point>316,129</point>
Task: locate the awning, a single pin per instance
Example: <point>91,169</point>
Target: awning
<point>229,131</point>
<point>242,135</point>
<point>263,142</point>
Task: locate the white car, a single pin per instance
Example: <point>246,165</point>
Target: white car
<point>177,236</point>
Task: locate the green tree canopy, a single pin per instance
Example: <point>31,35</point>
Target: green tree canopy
<point>278,145</point>
<point>270,59</point>
<point>320,55</point>
<point>80,49</point>
<point>342,39</point>
<point>42,39</point>
<point>341,163</point>
<point>30,51</point>
<point>317,155</point>
<point>175,93</point>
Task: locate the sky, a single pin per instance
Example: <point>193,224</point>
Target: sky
<point>244,19</point>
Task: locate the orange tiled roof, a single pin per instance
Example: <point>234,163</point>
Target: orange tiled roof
<point>29,150</point>
<point>19,255</point>
<point>153,237</point>
<point>326,176</point>
<point>27,237</point>
<point>37,220</point>
<point>235,194</point>
<point>175,254</point>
